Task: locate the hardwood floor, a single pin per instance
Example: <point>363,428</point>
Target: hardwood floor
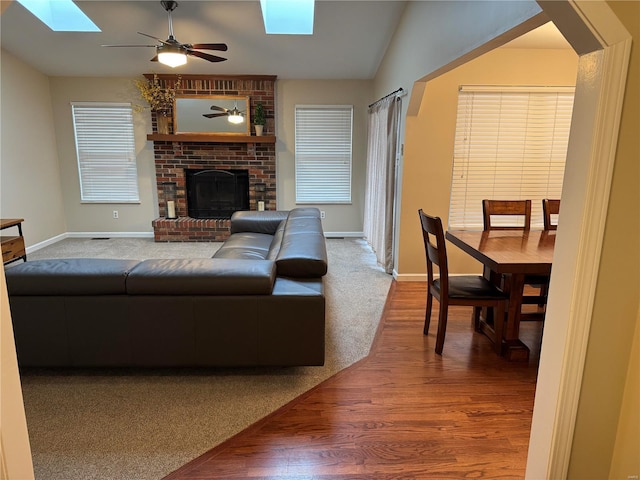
<point>401,413</point>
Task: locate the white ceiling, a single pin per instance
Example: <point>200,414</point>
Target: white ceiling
<point>349,40</point>
<point>547,37</point>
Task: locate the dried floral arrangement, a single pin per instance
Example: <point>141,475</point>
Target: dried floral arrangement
<point>160,99</point>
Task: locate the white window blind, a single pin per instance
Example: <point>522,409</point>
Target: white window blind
<point>105,149</point>
<point>323,153</point>
<point>510,144</point>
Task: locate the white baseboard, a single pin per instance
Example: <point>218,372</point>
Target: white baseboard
<point>62,236</point>
<point>344,234</point>
<point>45,243</point>
<point>409,277</point>
<point>110,234</point>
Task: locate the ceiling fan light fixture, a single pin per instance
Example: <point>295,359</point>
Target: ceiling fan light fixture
<point>236,118</point>
<point>171,56</point>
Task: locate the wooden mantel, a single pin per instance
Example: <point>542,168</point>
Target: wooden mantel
<point>211,138</point>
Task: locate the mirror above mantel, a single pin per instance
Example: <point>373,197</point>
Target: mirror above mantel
<point>210,114</point>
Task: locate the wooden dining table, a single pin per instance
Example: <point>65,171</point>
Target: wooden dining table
<point>513,255</point>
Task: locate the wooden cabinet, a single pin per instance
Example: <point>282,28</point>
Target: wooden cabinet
<point>12,246</point>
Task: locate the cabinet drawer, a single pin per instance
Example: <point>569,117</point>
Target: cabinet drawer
<point>12,248</point>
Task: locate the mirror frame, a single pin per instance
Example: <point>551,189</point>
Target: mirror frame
<point>188,111</point>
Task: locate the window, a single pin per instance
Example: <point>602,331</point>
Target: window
<point>323,153</point>
<point>105,149</point>
<point>288,17</point>
<point>510,144</point>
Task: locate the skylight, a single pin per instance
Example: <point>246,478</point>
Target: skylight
<point>60,15</point>
<point>288,17</point>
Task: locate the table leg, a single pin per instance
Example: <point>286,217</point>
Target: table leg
<point>514,349</point>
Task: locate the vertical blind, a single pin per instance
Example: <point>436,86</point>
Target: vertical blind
<point>510,144</point>
<point>323,153</point>
<point>105,148</point>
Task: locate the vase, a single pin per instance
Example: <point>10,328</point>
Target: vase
<point>164,120</point>
<point>259,129</point>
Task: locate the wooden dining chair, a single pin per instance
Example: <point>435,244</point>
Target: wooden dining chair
<point>550,207</point>
<point>518,210</point>
<point>467,290</point>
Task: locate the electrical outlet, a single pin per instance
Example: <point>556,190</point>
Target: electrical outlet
<point>115,214</point>
<point>322,214</point>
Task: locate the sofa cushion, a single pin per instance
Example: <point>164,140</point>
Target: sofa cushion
<point>69,276</point>
<point>245,245</point>
<point>276,243</point>
<point>202,276</point>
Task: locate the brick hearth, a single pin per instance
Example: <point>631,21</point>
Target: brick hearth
<point>173,156</point>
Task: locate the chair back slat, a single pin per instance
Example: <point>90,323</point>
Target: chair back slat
<point>550,207</point>
<point>513,208</point>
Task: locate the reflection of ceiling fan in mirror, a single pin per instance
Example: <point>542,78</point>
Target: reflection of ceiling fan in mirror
<point>235,115</point>
<point>173,53</point>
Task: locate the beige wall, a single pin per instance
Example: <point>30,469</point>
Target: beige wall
<point>29,172</point>
<point>617,302</point>
<point>90,217</point>
<point>433,34</point>
<point>626,454</point>
<point>429,140</point>
<point>58,166</point>
<point>339,218</point>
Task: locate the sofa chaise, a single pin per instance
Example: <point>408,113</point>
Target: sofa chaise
<point>259,301</point>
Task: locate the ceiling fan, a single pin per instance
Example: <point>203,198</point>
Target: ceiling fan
<point>235,115</point>
<point>173,53</point>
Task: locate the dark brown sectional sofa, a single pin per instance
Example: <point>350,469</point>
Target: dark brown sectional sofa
<point>258,302</point>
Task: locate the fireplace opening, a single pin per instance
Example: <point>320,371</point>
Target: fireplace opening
<point>216,193</point>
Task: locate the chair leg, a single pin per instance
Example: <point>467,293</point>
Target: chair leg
<point>442,327</point>
<point>498,327</point>
<point>544,292</point>
<point>476,318</point>
<point>427,316</point>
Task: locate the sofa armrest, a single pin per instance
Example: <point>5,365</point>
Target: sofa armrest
<point>302,251</point>
<point>257,222</point>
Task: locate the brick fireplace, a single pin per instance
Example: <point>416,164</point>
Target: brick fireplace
<point>174,154</point>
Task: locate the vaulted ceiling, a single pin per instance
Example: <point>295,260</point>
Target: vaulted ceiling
<point>349,40</point>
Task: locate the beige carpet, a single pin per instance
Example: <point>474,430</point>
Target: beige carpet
<point>143,424</point>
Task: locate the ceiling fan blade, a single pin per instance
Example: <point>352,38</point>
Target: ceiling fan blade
<point>210,46</point>
<point>215,107</point>
<point>151,36</point>
<point>214,115</point>
<point>128,45</point>
<point>205,56</point>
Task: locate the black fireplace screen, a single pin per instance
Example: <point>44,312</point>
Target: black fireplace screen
<point>216,193</point>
